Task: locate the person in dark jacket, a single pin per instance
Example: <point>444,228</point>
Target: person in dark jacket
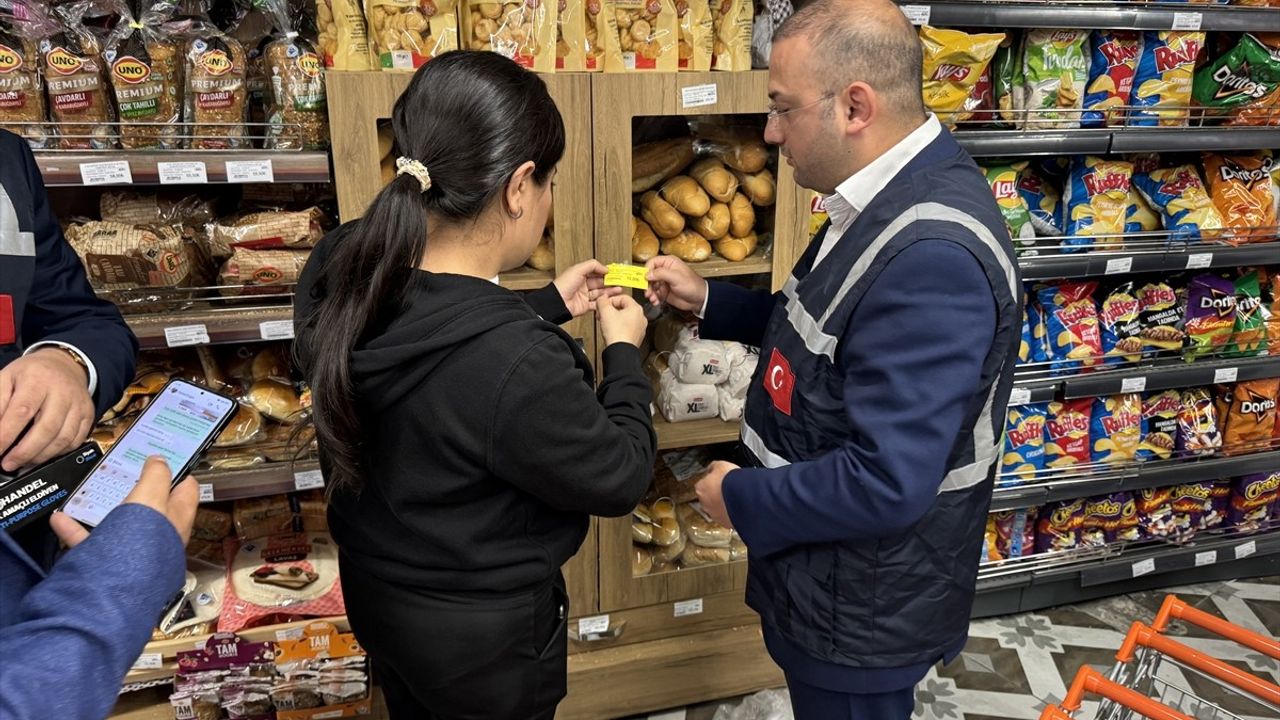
<point>460,435</point>
<point>872,427</point>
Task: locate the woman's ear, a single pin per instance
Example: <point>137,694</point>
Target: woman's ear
<point>519,189</point>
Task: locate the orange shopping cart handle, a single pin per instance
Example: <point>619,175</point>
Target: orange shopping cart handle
<point>1145,636</point>
<point>1092,682</point>
<point>1175,608</point>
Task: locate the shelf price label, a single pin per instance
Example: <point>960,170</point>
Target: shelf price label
<point>1020,396</point>
<point>688,607</point>
<point>699,95</point>
<point>186,335</point>
<point>1117,266</point>
<point>1133,385</point>
<point>1209,557</point>
<point>1144,567</point>
<point>276,330</point>
<point>1244,550</point>
<point>1187,20</point>
<point>289,634</point>
<point>594,625</point>
<point>308,480</point>
<point>206,492</point>
<point>149,661</point>
<point>182,173</point>
<point>1225,375</point>
<point>1199,261</point>
<point>250,171</point>
<point>918,14</point>
<point>114,172</point>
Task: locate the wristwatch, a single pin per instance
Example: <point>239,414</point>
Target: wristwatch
<point>75,356</point>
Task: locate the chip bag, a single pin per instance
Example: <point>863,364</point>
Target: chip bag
<point>1120,317</point>
<point>1039,330</point>
<point>1252,498</point>
<point>1024,348</point>
<point>1273,322</point>
<point>1058,526</point>
<point>1191,503</point>
<point>1160,412</point>
<point>1244,193</point>
<point>1117,428</point>
<point>1140,218</point>
<point>1249,336</point>
<point>1097,201</point>
<point>1056,71</point>
<point>953,62</point>
<point>1115,61</point>
<point>1024,443</point>
<point>990,542</point>
<point>1044,203</point>
<point>1005,79</point>
<point>1162,85</point>
<point>1004,186</point>
<point>1155,512</point>
<point>1074,340</point>
<point>1184,204</point>
<point>1251,416</point>
<point>1243,80</point>
<point>1199,433</point>
<point>1211,315</point>
<point>1067,429</point>
<point>1162,317</point>
<point>1016,532</point>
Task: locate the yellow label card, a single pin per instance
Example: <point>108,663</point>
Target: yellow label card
<point>632,276</point>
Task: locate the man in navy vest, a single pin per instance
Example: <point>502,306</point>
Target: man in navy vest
<point>872,425</point>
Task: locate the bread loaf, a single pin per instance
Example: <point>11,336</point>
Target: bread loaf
<point>688,246</point>
<point>670,553</point>
<point>714,224</point>
<point>243,428</point>
<point>544,256</point>
<point>742,216</point>
<point>704,532</point>
<point>644,244</point>
<point>737,549</point>
<point>641,561</point>
<point>697,556</point>
<point>642,525</point>
<point>736,248</point>
<point>651,163</point>
<point>276,400</point>
<point>741,147</point>
<point>665,221</point>
<point>714,178</point>
<point>666,530</point>
<point>686,195</point>
<point>760,187</point>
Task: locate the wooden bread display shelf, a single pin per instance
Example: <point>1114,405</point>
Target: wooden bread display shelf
<point>758,263</point>
<point>694,432</point>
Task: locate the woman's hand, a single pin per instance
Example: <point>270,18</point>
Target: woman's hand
<point>621,320</point>
<point>581,285</point>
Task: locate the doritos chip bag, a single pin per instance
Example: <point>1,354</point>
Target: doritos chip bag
<point>1249,336</point>
<point>1120,317</point>
<point>1097,200</point>
<point>1162,319</point>
<point>1068,433</point>
<point>1044,202</point>
<point>1117,428</point>
<point>1184,204</point>
<point>1160,411</point>
<point>1056,70</point>
<point>1211,315</point>
<point>1244,193</point>
<point>1004,186</point>
<point>1273,322</point>
<point>1140,217</point>
<point>1199,432</point>
<point>1024,443</point>
<point>1251,416</point>
<point>1115,61</point>
<point>953,62</point>
<point>1075,340</point>
<point>1244,78</point>
<point>1162,85</point>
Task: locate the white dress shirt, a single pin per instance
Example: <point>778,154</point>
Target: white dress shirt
<point>89,369</point>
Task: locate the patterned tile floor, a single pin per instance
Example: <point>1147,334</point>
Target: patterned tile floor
<point>1013,665</point>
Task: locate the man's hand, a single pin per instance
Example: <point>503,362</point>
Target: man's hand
<point>710,494</point>
<point>673,282</point>
<point>152,490</point>
<point>581,285</point>
<point>48,389</point>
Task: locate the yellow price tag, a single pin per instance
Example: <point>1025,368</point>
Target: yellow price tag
<point>632,276</point>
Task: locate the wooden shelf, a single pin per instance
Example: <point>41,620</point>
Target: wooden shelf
<point>696,432</point>
<point>758,263</point>
<point>256,481</point>
<point>525,278</point>
<point>62,168</point>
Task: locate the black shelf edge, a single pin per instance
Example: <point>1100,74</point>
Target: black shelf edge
<point>258,481</point>
<point>1139,140</point>
<point>1102,141</point>
<point>1000,143</point>
<point>1175,259</point>
<point>1175,374</point>
<point>1117,16</point>
<point>1177,558</point>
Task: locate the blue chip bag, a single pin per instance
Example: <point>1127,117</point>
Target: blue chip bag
<point>1073,338</point>
<point>1117,428</point>
<point>1115,61</point>
<point>1044,200</point>
<point>1162,85</point>
<point>1024,443</point>
<point>1097,200</point>
<point>1179,195</point>
<point>1140,218</point>
<point>1039,330</point>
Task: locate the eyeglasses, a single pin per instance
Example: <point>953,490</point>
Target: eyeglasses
<point>775,113</point>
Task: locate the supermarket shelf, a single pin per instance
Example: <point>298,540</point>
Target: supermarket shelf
<point>1130,478</point>
<point>525,278</point>
<point>696,432</point>
<point>257,481</point>
<point>1167,373</point>
<point>62,168</point>
<point>223,325</point>
<point>1001,143</point>
<point>758,263</point>
<point>1100,141</point>
<point>1088,15</point>
<point>1176,258</point>
<point>1138,140</point>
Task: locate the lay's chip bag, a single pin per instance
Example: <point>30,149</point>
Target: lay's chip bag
<point>1075,340</point>
<point>1160,412</point>
<point>1242,80</point>
<point>1004,186</point>
<point>1120,316</point>
<point>1140,218</point>
<point>1097,201</point>
<point>1067,429</point>
<point>1024,443</point>
<point>1117,428</point>
<point>1115,61</point>
<point>953,63</point>
<point>1244,193</point>
<point>1044,203</point>
<point>1184,204</point>
<point>1163,82</point>
<point>1055,65</point>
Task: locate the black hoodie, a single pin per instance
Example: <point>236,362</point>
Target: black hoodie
<point>483,444</point>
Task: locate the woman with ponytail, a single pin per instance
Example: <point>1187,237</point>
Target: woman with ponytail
<point>462,439</point>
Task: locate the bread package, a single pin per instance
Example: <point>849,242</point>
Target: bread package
<point>700,362</point>
<point>405,34</point>
<point>571,36</point>
<point>146,77</point>
<point>261,272</point>
<point>245,427</point>
<point>653,162</point>
<point>666,524</point>
<point>702,530</point>
<point>272,229</point>
<point>522,30</point>
<point>698,556</point>
<point>641,560</point>
<point>642,525</point>
<point>117,256</point>
<point>681,403</point>
<point>731,22</point>
<point>697,35</point>
<point>149,208</point>
<point>215,103</point>
<point>644,35</point>
<point>298,117</point>
<point>22,76</point>
<point>76,83</point>
<point>596,28</point>
<point>343,35</point>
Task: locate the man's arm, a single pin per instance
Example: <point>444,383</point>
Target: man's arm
<point>912,358</point>
<point>736,313</point>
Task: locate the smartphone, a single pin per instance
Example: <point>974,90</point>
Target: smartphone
<point>179,424</point>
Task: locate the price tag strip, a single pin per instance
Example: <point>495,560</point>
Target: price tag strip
<point>621,275</point>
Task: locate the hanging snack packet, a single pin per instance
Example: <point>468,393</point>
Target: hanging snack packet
<point>1004,186</point>
<point>1252,498</point>
<point>1024,349</point>
<point>1117,428</point>
<point>1068,433</point>
<point>1140,218</point>
<point>1211,315</point>
<point>990,542</point>
<point>1199,433</point>
<point>953,63</point>
<point>1058,526</point>
<point>1056,68</point>
<point>1243,79</point>
<point>1219,504</point>
<point>1244,193</point>
<point>1251,417</point>
<point>1120,318</point>
<point>1024,443</point>
<point>1072,323</point>
<point>1005,79</point>
<point>1249,336</point>
<point>1155,512</point>
<point>299,114</point>
<point>76,82</point>
<point>22,105</point>
<point>1044,202</point>
<point>1162,317</point>
<point>1184,204</point>
<point>146,75</point>
<point>1160,412</point>
<point>406,34</point>
<point>343,35</point>
<point>1097,200</point>
<point>1115,61</point>
<point>1191,503</point>
<point>1162,85</point>
<point>731,22</point>
<point>1128,528</point>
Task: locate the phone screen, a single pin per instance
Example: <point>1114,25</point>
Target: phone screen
<point>177,425</point>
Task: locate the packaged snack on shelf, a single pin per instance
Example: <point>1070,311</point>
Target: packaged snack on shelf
<point>1068,433</point>
<point>343,35</point>
<point>1074,339</point>
<point>325,675</point>
<point>1211,315</point>
<point>571,36</point>
<point>76,82</point>
<point>1127,529</point>
<point>1160,413</point>
<point>1118,428</point>
<point>990,542</point>
<point>1058,527</point>
<point>22,74</point>
<point>666,531</point>
<point>117,256</point>
<point>596,29</point>
<point>1034,331</point>
<point>1044,201</point>
<point>1162,85</point>
<point>1024,349</point>
<point>953,63</point>
<point>699,362</point>
<point>1017,217</point>
<point>1192,502</point>
<point>261,272</point>
<point>1024,443</point>
<point>245,427</point>
<point>1252,499</point>
<point>731,22</point>
<point>276,514</point>
<point>1102,516</point>
<point>146,77</point>
<point>1140,218</point>
<point>699,556</point>
<point>215,96</point>
<point>1115,61</point>
<point>1273,322</point>
<point>1180,196</point>
<point>1244,192</point>
<point>277,400</point>
<point>1006,79</point>
<point>267,230</point>
<point>1162,317</point>
<point>405,34</point>
<point>1097,202</point>
<point>1219,505</point>
<point>1251,416</point>
<point>1242,83</point>
<point>1249,335</point>
<point>522,31</point>
<point>1056,71</point>
<point>294,574</point>
<point>643,35</point>
<point>680,402</point>
<point>1155,512</point>
<point>697,35</point>
<point>298,118</point>
<point>1016,532</point>
<point>1119,315</point>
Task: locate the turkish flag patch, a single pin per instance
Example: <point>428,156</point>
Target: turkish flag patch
<point>780,382</point>
<point>8,331</point>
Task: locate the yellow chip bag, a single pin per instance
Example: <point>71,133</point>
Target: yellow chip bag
<point>953,62</point>
<point>1097,198</point>
<point>1164,77</point>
